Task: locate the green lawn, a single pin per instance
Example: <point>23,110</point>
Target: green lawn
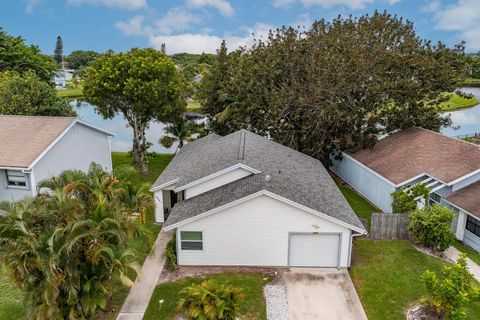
<point>458,102</point>
<point>252,307</point>
<point>75,93</point>
<point>386,275</point>
<point>470,82</point>
<point>11,304</point>
<point>194,106</point>
<point>362,207</point>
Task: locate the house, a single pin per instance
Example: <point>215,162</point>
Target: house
<point>35,148</point>
<point>449,167</point>
<point>244,200</point>
<point>63,76</point>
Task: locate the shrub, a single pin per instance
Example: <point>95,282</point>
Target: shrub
<point>404,201</point>
<point>448,296</point>
<point>210,301</point>
<point>431,226</point>
<point>171,254</point>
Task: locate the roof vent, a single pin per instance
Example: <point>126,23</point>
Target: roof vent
<point>267,178</point>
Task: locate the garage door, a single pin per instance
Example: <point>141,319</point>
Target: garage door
<point>314,250</point>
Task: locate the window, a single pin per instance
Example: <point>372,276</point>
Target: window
<point>16,179</point>
<point>473,225</point>
<point>435,198</point>
<point>191,240</point>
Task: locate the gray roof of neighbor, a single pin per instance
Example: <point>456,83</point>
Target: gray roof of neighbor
<point>293,175</point>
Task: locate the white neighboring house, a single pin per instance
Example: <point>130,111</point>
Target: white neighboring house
<point>449,167</point>
<point>245,200</point>
<point>35,148</point>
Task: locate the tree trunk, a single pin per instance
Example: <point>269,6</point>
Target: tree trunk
<point>142,150</point>
<point>136,145</point>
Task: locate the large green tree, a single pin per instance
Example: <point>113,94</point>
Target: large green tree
<point>80,59</point>
<point>143,85</point>
<point>16,55</point>
<point>336,86</point>
<point>66,248</point>
<point>27,94</point>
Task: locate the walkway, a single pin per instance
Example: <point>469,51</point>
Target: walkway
<point>453,254</point>
<point>316,293</point>
<point>139,296</point>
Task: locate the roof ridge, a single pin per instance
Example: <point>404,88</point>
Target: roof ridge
<point>30,116</point>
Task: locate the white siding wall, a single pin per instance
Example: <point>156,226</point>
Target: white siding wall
<point>216,182</point>
<point>365,182</point>
<point>77,149</point>
<point>10,193</point>
<point>255,233</point>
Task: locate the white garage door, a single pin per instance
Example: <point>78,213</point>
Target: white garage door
<point>314,250</point>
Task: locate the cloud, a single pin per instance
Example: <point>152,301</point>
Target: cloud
<point>31,4</point>
<point>198,43</point>
<point>134,27</point>
<point>352,4</point>
<point>176,20</point>
<point>432,6</point>
<point>223,6</point>
<point>123,4</point>
<point>461,17</point>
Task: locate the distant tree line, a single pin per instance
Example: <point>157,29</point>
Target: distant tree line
<point>336,86</point>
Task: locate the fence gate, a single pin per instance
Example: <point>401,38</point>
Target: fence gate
<point>389,226</point>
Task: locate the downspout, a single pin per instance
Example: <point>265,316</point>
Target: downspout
<point>350,247</point>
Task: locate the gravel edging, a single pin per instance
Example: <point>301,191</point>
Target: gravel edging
<point>276,301</point>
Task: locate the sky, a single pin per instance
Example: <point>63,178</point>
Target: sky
<point>198,26</point>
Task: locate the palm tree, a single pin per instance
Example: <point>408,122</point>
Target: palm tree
<point>66,247</point>
<point>181,130</point>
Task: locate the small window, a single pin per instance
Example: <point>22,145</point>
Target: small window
<point>435,198</point>
<point>16,178</point>
<point>191,240</point>
<point>473,225</point>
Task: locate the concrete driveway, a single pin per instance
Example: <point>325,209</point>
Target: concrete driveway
<point>315,293</point>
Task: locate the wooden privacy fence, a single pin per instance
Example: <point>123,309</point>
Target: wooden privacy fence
<point>389,226</point>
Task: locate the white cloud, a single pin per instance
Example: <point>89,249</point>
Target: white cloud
<point>134,27</point>
<point>198,43</point>
<point>284,4</point>
<point>31,4</point>
<point>123,4</point>
<point>432,6</point>
<point>223,6</point>
<point>176,20</point>
<point>461,17</point>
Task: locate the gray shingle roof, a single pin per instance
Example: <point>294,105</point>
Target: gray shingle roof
<point>293,175</point>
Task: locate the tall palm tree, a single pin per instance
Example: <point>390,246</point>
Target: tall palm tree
<point>181,130</point>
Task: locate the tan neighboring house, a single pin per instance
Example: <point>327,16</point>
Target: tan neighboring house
<point>449,167</point>
<point>35,148</point>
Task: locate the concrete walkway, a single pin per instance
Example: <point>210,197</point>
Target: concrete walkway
<point>139,296</point>
<point>319,294</point>
<point>453,254</point>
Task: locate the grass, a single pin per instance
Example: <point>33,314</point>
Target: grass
<point>74,93</point>
<point>470,252</point>
<point>194,106</point>
<point>469,82</point>
<point>361,206</point>
<point>252,307</point>
<point>457,102</point>
<point>387,274</point>
<point>11,300</point>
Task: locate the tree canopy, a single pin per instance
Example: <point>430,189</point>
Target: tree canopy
<point>80,59</point>
<point>142,84</point>
<point>336,86</point>
<point>15,55</point>
<point>27,94</point>
<point>58,54</point>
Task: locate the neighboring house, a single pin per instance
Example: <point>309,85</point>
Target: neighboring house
<point>35,148</point>
<point>449,167</point>
<point>62,76</point>
<point>245,200</point>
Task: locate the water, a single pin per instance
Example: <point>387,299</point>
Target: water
<point>122,139</point>
<point>465,121</point>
